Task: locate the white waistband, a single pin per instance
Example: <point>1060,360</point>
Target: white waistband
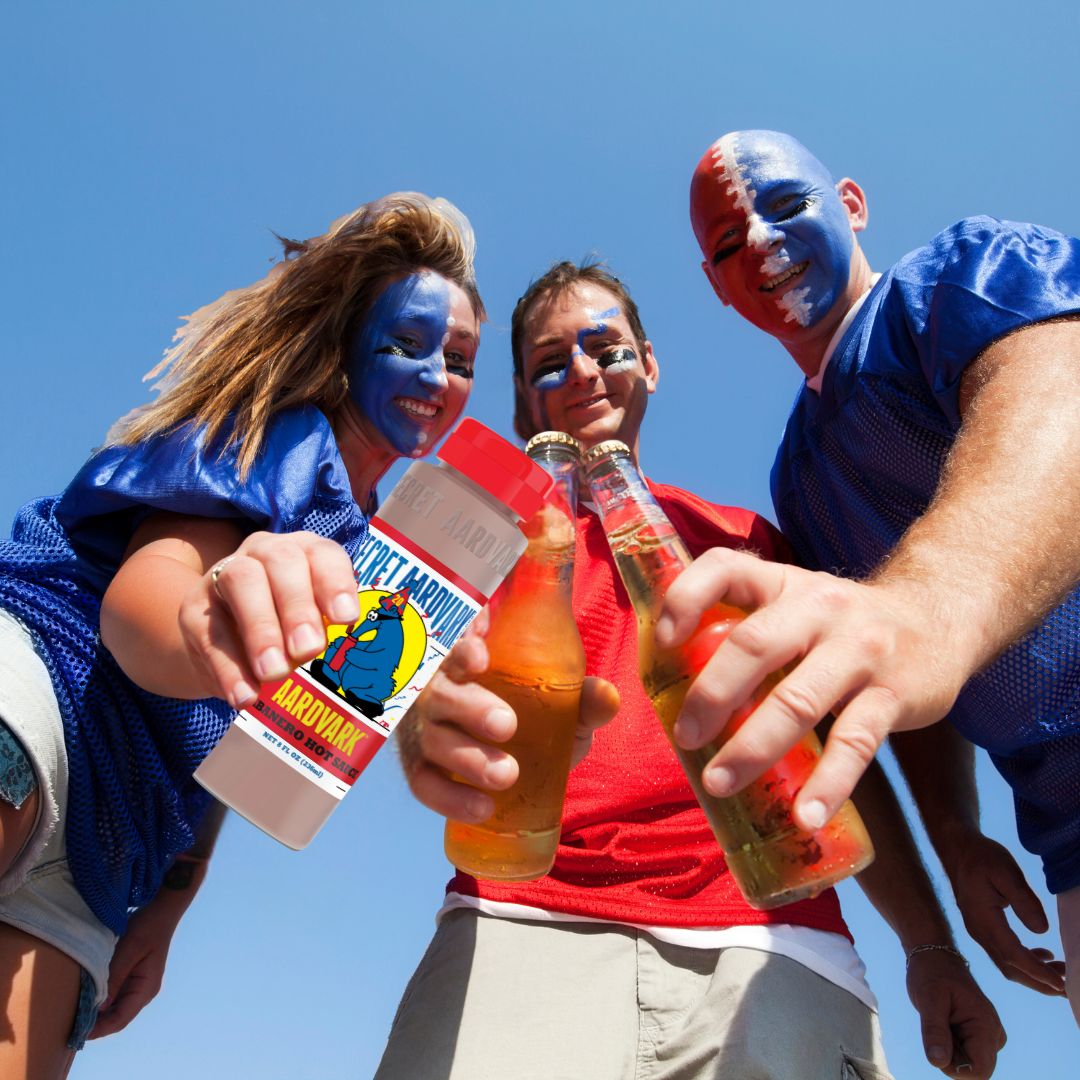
<point>832,956</point>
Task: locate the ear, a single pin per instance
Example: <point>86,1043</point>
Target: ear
<point>523,422</point>
<point>851,195</point>
<point>721,292</point>
<point>652,368</point>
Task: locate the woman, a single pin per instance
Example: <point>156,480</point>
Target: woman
<point>192,558</point>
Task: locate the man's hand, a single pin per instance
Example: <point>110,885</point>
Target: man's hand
<point>451,724</point>
<point>961,1030</point>
<point>863,651</point>
<point>986,881</point>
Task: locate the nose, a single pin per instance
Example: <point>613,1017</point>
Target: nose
<point>433,375</point>
<point>761,234</point>
<point>582,367</point>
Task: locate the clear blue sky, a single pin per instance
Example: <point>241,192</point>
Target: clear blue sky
<point>151,149</point>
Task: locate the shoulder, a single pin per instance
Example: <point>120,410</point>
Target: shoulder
<point>995,244</point>
<point>703,524</point>
<point>301,452</point>
<point>184,472</point>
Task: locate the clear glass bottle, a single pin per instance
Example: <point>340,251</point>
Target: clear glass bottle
<point>537,665</point>
<point>773,860</point>
<point>440,545</point>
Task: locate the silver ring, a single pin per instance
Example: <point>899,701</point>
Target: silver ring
<point>215,573</point>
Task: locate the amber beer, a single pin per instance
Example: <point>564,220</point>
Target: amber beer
<point>773,861</point>
<point>537,665</point>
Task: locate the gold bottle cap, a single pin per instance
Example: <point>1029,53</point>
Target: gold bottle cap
<point>608,446</point>
<point>553,438</point>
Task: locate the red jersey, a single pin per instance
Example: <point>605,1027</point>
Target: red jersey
<point>635,845</point>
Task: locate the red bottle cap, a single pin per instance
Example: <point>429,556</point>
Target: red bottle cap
<point>498,466</point>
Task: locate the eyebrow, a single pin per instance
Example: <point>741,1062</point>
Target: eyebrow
<point>424,318</point>
<point>547,339</point>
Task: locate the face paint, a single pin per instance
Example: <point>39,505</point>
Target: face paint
<point>775,235</point>
<point>550,376</point>
<point>583,371</point>
<point>410,366</point>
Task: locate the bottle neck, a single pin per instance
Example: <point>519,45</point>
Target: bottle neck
<point>548,561</point>
<point>648,551</point>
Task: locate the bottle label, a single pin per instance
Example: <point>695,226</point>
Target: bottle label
<point>328,718</point>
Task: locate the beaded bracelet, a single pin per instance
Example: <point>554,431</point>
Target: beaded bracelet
<point>916,949</point>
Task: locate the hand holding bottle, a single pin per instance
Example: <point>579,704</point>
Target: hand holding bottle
<point>446,739</point>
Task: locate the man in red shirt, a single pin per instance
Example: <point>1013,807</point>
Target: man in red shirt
<point>637,954</point>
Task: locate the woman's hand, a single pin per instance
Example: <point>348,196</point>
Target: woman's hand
<point>198,609</point>
<point>258,613</point>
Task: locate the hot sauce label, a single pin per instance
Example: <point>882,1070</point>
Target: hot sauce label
<point>330,716</point>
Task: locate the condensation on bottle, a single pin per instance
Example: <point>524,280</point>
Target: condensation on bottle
<point>773,861</point>
<point>537,666</point>
<point>441,544</point>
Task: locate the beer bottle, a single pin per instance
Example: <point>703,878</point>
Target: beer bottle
<point>537,665</point>
<point>773,861</point>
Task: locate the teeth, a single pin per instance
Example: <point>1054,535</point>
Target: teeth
<point>417,408</point>
<point>776,282</point>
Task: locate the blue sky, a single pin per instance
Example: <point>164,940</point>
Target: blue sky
<point>151,152</point>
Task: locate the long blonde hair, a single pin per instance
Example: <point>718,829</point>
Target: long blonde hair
<point>283,341</point>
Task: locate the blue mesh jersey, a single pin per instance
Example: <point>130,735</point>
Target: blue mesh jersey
<point>859,462</point>
<point>133,804</point>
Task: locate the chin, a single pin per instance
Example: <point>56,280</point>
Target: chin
<point>591,434</point>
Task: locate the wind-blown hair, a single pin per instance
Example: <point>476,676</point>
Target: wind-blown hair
<point>284,340</point>
<point>561,278</point>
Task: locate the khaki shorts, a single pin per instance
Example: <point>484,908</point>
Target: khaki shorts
<point>499,998</point>
<point>38,894</point>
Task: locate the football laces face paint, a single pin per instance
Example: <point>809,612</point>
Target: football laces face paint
<point>583,371</point>
<point>552,373</point>
<point>411,364</point>
<point>774,232</point>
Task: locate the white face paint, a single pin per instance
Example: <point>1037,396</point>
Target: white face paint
<point>759,235</point>
<point>774,232</point>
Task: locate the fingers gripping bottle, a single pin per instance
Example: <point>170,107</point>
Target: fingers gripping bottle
<point>773,861</point>
<point>441,544</point>
<point>537,665</point>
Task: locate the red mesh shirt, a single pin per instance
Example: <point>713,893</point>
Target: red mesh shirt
<point>635,846</point>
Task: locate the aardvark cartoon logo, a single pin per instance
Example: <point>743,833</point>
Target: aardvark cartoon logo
<point>369,662</point>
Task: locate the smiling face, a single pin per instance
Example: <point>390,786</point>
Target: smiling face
<point>583,372</point>
<point>410,367</point>
<point>776,232</point>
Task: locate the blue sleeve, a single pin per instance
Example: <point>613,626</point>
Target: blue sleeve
<point>297,470</point>
<point>975,283</point>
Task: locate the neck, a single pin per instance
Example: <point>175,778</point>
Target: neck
<point>365,462</point>
<point>808,351</point>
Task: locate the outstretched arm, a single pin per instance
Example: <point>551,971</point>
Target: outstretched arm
<point>967,579</point>
<point>178,633</point>
<point>138,965</point>
<point>939,767</point>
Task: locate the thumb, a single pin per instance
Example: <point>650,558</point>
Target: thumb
<point>937,1041</point>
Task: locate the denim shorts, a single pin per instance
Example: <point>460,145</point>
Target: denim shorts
<point>38,894</point>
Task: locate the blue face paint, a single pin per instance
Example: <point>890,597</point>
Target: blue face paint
<point>765,192</point>
<point>551,375</point>
<point>408,366</point>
